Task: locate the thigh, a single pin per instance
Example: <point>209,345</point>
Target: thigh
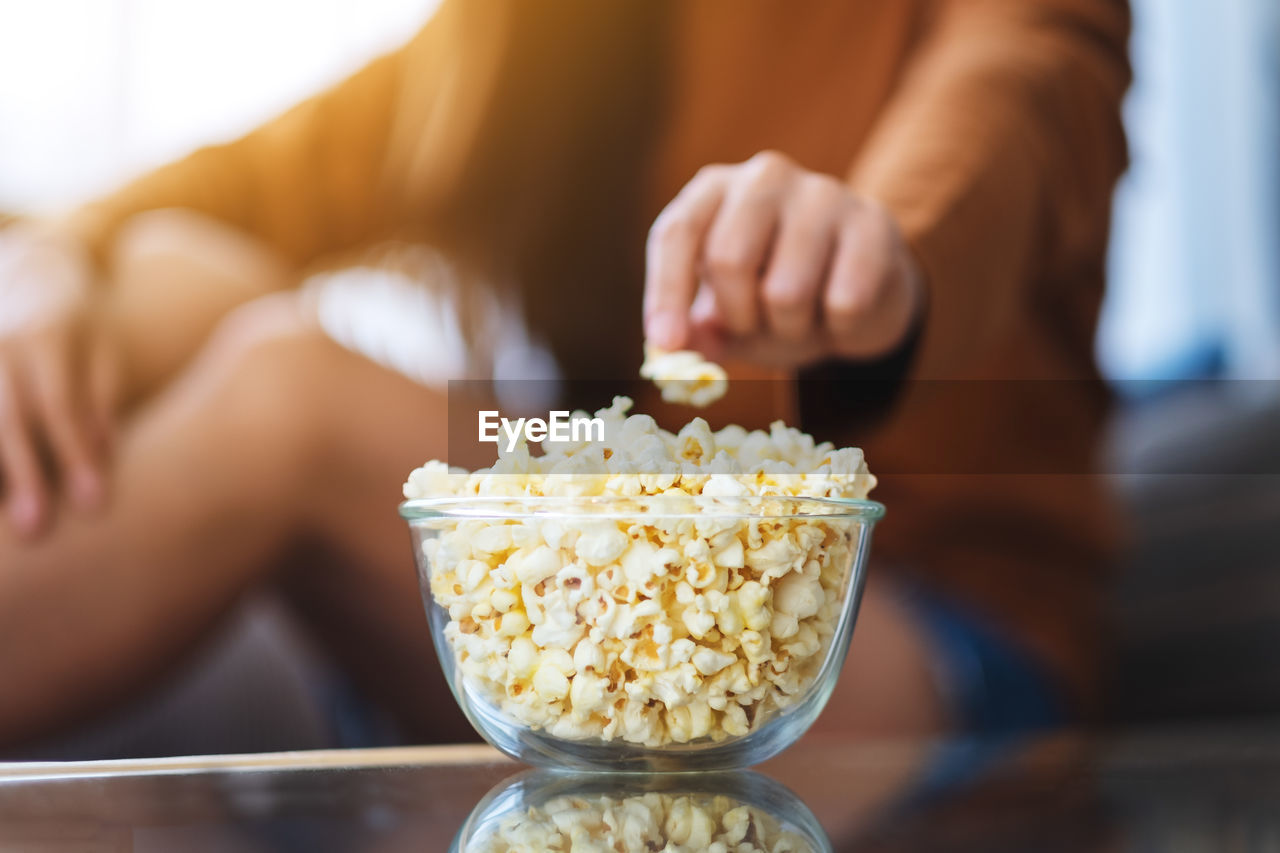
<point>351,577</point>
<point>202,498</point>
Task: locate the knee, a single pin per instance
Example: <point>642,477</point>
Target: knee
<point>159,239</point>
<point>263,376</point>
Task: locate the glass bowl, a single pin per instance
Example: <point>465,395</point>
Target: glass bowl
<point>664,633</point>
<point>635,813</point>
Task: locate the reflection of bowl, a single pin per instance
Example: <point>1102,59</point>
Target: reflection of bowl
<point>653,633</point>
<point>553,810</point>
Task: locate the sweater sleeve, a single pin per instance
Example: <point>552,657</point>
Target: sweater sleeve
<point>998,154</point>
<point>310,181</point>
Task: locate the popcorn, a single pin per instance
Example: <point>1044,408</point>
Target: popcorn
<point>641,823</point>
<point>511,624</point>
<point>653,629</point>
<point>601,544</point>
<point>797,596</point>
<point>709,661</point>
<point>684,376</point>
<point>698,623</point>
<point>522,658</point>
<point>550,683</point>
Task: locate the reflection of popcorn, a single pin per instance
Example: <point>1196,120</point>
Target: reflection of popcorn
<point>642,823</point>
<point>651,629</point>
<point>684,376</point>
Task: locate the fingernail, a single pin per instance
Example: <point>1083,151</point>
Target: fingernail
<point>663,330</point>
<point>86,488</point>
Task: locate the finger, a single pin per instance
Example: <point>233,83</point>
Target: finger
<point>706,330</point>
<point>19,464</point>
<point>767,351</point>
<point>861,274</point>
<point>671,254</point>
<point>799,262</point>
<point>705,311</point>
<point>64,415</point>
<point>738,244</point>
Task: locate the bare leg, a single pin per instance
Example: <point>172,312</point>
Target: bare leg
<point>276,436</point>
<point>275,432</point>
<point>177,274</point>
<point>272,434</point>
<point>102,603</point>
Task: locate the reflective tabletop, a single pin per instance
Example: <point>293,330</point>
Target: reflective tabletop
<point>1154,791</point>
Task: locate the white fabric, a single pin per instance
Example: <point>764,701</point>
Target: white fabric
<point>404,315</point>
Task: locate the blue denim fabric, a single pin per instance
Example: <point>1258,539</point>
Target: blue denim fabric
<point>993,685</point>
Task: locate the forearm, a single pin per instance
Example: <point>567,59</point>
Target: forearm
<point>998,156</point>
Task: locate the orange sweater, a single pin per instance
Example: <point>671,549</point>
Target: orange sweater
<point>541,138</point>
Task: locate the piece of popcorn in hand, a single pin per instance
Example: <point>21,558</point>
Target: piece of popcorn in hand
<point>684,376</point>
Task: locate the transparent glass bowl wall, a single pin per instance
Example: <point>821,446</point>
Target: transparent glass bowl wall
<point>639,813</point>
<point>455,523</point>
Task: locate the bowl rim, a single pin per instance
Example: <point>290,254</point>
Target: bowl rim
<point>515,507</point>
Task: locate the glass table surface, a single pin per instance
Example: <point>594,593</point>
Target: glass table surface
<point>1180,789</point>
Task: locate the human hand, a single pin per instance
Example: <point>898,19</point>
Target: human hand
<point>768,262</point>
<point>57,378</point>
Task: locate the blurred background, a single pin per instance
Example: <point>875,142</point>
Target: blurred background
<point>93,91</point>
